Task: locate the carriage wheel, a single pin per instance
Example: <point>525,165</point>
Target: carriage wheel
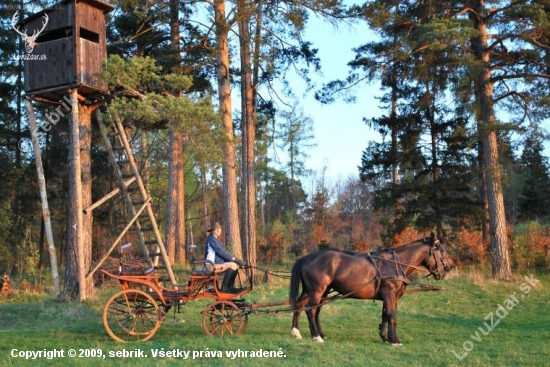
<point>132,315</point>
<point>223,317</point>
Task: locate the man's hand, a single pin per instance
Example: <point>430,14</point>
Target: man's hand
<point>238,261</point>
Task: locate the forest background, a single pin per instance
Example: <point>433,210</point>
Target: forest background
<point>463,93</point>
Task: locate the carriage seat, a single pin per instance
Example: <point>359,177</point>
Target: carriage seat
<point>131,265</point>
<point>135,269</point>
<point>203,268</point>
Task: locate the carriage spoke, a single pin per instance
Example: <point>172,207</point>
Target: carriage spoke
<point>131,314</point>
<point>223,317</point>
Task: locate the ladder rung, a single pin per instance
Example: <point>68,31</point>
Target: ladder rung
<point>125,222</point>
<point>155,254</point>
<point>143,229</point>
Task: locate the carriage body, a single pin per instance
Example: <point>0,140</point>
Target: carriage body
<point>137,311</point>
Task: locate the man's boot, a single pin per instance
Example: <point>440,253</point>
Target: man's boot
<point>229,282</point>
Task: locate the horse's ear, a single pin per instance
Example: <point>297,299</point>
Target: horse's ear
<point>434,239</point>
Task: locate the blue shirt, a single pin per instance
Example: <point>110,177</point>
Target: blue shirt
<point>215,251</point>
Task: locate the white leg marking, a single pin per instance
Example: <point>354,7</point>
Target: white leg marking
<point>318,339</point>
<point>295,333</point>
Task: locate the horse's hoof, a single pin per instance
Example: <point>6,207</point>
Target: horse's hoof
<point>396,344</point>
<point>318,339</point>
<point>295,333</point>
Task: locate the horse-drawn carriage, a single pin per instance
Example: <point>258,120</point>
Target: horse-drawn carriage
<point>136,312</point>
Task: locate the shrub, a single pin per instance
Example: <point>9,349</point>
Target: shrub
<point>529,246</point>
<point>274,247</point>
<point>407,235</point>
<point>469,248</point>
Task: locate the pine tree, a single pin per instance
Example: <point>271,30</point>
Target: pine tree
<point>534,202</point>
<point>295,138</point>
<point>494,55</point>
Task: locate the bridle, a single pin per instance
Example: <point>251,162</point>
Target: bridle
<point>441,265</point>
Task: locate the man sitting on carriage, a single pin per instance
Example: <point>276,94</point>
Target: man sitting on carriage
<point>223,261</point>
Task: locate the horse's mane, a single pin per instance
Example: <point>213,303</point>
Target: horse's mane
<point>336,249</point>
<point>423,240</point>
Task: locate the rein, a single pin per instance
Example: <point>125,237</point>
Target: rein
<point>283,274</point>
<point>397,263</point>
<point>439,261</point>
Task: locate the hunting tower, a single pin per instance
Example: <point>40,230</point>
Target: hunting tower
<point>68,49</point>
<point>65,46</point>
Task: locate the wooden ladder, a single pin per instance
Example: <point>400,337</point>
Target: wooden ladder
<point>135,195</point>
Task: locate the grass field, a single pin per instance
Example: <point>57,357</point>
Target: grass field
<point>461,326</point>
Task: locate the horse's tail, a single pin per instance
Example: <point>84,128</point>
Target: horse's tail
<point>296,279</point>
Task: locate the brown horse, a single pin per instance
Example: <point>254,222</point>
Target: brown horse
<point>381,275</point>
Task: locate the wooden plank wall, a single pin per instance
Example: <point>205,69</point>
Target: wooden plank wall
<point>56,70</point>
<point>90,64</point>
<point>91,19</point>
<point>90,54</point>
<point>59,17</point>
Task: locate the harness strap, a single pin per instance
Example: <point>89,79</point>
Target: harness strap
<point>403,275</point>
<point>371,260</point>
<point>379,275</point>
<point>398,269</point>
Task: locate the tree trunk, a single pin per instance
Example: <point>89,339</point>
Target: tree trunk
<point>175,218</point>
<point>231,210</point>
<point>497,218</point>
<point>435,171</point>
<point>249,67</point>
<point>145,176</point>
<point>180,229</point>
<point>45,223</point>
<point>487,126</point>
<point>204,198</point>
<point>79,246</point>
<point>16,228</point>
<point>483,200</point>
<point>175,179</point>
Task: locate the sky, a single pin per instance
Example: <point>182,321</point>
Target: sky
<point>340,132</point>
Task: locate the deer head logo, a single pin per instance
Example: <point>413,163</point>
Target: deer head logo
<point>29,40</point>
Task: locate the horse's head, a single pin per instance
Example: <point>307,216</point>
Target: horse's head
<point>438,261</point>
